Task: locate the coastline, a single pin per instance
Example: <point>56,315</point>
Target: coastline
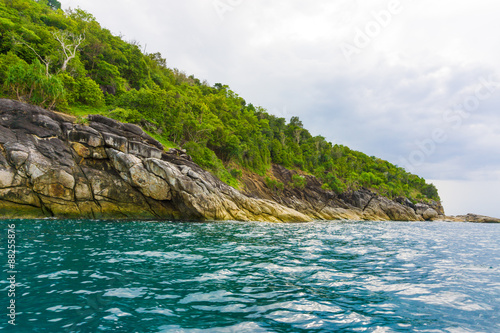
<point>52,166</point>
<point>474,218</point>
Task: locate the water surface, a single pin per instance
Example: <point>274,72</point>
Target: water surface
<point>143,276</point>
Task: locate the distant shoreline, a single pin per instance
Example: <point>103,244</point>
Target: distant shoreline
<point>475,218</point>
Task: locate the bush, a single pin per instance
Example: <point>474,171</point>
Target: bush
<point>334,184</point>
<point>70,86</point>
<point>31,84</point>
<point>126,115</point>
<point>274,184</point>
<point>150,102</point>
<point>83,90</point>
<point>207,159</point>
<point>298,181</point>
<point>8,61</point>
<point>89,92</point>
<point>236,173</point>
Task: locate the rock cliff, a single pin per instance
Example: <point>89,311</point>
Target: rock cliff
<point>319,204</point>
<point>51,166</point>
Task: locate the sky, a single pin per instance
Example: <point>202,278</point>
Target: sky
<point>416,83</point>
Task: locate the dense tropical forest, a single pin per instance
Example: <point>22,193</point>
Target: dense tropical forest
<point>65,61</point>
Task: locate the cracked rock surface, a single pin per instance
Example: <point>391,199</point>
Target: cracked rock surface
<point>53,167</point>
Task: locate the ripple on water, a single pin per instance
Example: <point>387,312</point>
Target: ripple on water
<point>57,275</point>
<point>245,327</point>
<point>60,308</point>
<point>219,296</point>
<point>126,292</point>
<point>166,256</point>
<point>157,310</point>
<point>454,300</point>
<point>116,314</point>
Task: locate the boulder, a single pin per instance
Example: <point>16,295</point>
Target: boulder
<point>430,214</point>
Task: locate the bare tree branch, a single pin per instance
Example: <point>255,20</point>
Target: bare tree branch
<point>69,43</point>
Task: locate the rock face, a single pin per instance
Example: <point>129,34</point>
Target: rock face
<point>319,204</point>
<point>472,218</point>
<point>53,167</point>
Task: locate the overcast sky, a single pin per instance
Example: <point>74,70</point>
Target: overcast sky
<point>414,82</point>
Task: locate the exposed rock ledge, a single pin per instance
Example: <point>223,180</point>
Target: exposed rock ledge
<point>472,218</point>
<point>53,167</point>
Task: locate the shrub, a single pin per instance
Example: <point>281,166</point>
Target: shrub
<point>207,159</point>
<point>334,184</point>
<point>150,102</point>
<point>31,84</point>
<point>236,173</point>
<point>8,61</point>
<point>89,92</point>
<point>274,184</point>
<point>70,86</point>
<point>326,187</point>
<point>298,181</point>
<point>126,115</point>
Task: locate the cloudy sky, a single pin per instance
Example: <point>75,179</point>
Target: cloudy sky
<point>414,82</point>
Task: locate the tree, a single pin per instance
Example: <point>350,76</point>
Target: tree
<point>296,122</point>
<point>44,60</point>
<point>69,43</point>
<point>54,4</point>
<point>89,92</point>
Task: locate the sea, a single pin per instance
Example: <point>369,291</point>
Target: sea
<point>167,276</point>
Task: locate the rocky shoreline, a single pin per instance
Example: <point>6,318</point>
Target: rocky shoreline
<point>471,218</point>
<point>51,166</point>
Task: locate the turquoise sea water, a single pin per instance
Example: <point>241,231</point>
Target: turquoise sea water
<point>97,276</point>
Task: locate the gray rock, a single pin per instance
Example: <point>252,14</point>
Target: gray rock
<point>149,184</point>
<point>143,150</point>
<point>87,137</point>
<point>115,141</point>
<point>430,214</point>
<point>481,219</point>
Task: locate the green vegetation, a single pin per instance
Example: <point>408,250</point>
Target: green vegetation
<point>274,185</point>
<point>298,181</point>
<point>68,62</point>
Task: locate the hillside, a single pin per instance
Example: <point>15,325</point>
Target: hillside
<point>66,61</point>
<point>52,166</point>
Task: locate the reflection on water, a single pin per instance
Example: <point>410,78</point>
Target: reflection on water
<point>89,276</point>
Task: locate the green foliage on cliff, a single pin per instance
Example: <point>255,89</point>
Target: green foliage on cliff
<point>67,61</point>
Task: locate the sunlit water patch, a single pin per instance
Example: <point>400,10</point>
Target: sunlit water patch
<point>90,276</point>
